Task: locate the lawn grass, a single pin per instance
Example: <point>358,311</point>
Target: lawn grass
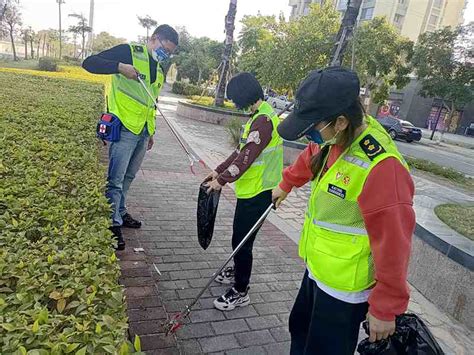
<point>458,217</point>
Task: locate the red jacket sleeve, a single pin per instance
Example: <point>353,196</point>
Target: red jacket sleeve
<point>299,173</point>
<point>386,203</point>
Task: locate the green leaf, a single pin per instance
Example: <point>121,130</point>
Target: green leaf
<point>43,316</point>
<point>98,328</point>
<point>8,327</point>
<point>110,349</point>
<point>68,292</point>
<point>61,305</point>
<point>137,344</point>
<point>124,349</point>
<point>108,320</point>
<point>82,351</point>
<point>55,295</point>
<point>35,327</point>
<point>71,347</point>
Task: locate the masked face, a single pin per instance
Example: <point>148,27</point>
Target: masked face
<point>161,53</point>
<point>315,136</point>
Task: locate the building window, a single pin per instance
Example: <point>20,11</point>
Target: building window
<point>367,13</point>
<point>433,20</point>
<point>398,19</point>
<point>438,3</point>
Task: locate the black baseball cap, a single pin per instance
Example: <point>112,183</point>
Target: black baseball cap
<point>323,94</point>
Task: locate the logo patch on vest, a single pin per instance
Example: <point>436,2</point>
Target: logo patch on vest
<point>371,147</point>
<point>333,189</point>
<point>138,49</point>
<point>346,180</point>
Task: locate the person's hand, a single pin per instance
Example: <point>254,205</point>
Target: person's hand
<point>278,195</point>
<point>213,185</point>
<point>128,71</point>
<point>212,175</point>
<point>379,329</point>
<point>151,141</point>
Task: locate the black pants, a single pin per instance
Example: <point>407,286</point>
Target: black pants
<point>247,213</point>
<point>321,324</point>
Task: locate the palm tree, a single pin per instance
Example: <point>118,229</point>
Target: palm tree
<point>60,2</point>
<point>226,56</point>
<point>81,28</point>
<point>147,22</point>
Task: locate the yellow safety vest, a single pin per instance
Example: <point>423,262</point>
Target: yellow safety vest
<point>127,98</point>
<point>265,172</point>
<point>334,242</point>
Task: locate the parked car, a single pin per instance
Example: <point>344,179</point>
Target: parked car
<point>400,129</point>
<point>278,102</point>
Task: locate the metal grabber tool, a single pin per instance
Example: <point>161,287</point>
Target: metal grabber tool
<point>177,320</point>
<point>192,158</point>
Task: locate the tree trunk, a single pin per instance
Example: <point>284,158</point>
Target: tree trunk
<point>229,30</point>
<point>60,32</point>
<point>44,44</point>
<point>38,47</point>
<point>32,48</point>
<point>345,31</point>
<point>13,44</point>
<point>83,44</point>
<point>147,33</point>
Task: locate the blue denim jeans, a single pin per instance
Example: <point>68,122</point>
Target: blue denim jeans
<point>125,159</point>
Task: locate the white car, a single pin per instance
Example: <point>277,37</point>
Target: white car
<point>278,102</point>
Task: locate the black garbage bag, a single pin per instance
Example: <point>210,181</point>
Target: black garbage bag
<point>206,215</point>
<point>412,337</point>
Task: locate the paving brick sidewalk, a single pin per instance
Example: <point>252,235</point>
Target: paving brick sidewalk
<point>164,195</point>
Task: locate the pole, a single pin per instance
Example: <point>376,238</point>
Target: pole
<point>60,2</point>
<point>91,25</point>
<point>345,31</point>
<point>437,120</point>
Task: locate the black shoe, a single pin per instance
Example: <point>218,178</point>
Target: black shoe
<point>130,222</point>
<point>117,231</point>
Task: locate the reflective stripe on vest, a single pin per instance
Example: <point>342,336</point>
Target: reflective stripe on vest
<point>129,101</point>
<point>334,242</point>
<point>341,228</point>
<point>265,172</point>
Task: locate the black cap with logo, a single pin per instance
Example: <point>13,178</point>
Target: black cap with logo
<point>323,94</point>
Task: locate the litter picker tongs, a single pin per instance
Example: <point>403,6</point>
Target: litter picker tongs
<point>192,157</point>
<point>177,320</point>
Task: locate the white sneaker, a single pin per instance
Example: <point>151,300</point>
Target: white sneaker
<point>226,276</point>
<point>232,299</point>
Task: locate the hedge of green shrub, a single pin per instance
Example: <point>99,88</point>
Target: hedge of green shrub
<point>58,272</point>
<point>186,89</point>
<point>48,64</point>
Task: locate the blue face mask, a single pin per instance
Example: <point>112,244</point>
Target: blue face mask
<point>160,55</point>
<point>314,135</point>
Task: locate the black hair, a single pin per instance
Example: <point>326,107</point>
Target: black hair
<point>244,90</point>
<point>355,115</point>
<point>166,32</point>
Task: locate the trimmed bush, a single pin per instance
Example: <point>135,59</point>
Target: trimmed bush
<point>48,64</point>
<point>58,272</point>
<point>186,89</point>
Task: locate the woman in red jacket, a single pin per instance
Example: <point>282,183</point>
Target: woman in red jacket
<point>356,238</point>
